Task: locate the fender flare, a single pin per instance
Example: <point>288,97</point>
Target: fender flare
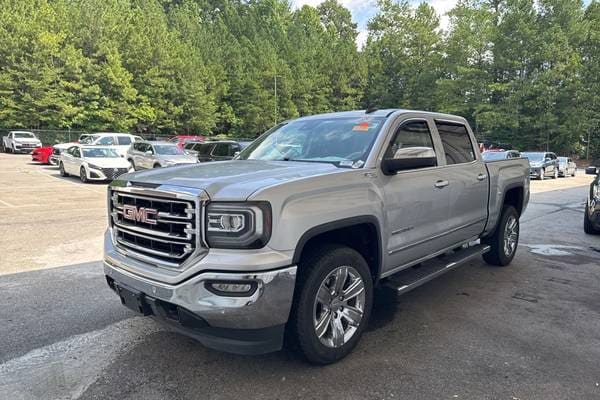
<point>343,223</point>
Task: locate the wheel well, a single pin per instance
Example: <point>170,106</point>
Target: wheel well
<point>514,197</point>
<point>362,237</point>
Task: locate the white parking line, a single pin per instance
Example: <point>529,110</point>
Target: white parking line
<point>79,185</point>
<point>64,370</point>
<point>7,204</point>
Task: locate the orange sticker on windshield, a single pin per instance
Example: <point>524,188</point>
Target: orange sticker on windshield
<point>362,127</point>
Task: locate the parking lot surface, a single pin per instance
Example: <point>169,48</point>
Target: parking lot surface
<point>528,331</point>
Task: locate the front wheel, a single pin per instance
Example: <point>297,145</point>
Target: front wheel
<point>505,240</point>
<point>83,175</point>
<point>543,175</point>
<point>555,176</point>
<point>332,305</point>
<point>588,227</point>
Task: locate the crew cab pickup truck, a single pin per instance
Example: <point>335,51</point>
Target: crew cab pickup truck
<point>290,238</point>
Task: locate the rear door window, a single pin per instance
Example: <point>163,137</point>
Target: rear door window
<point>107,141</point>
<point>221,150</point>
<point>124,140</point>
<point>458,148</point>
<point>205,149</point>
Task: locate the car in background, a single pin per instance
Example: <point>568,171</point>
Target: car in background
<point>145,155</point>
<point>591,218</point>
<point>42,154</point>
<point>222,150</point>
<point>119,141</point>
<point>566,167</point>
<point>182,140</point>
<point>92,163</point>
<point>542,164</point>
<point>492,155</point>
<point>20,142</point>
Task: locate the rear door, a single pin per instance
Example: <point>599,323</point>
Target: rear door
<point>467,179</point>
<point>221,152</point>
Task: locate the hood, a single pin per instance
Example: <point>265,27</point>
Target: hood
<point>27,140</point>
<point>180,159</point>
<point>232,180</point>
<point>108,162</point>
<point>64,146</point>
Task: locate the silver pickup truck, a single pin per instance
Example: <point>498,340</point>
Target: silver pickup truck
<point>290,239</point>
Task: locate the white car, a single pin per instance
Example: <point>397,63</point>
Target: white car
<point>119,141</point>
<point>20,141</point>
<point>92,163</point>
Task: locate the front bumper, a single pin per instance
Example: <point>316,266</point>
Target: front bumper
<point>252,324</point>
<point>535,172</point>
<point>25,148</point>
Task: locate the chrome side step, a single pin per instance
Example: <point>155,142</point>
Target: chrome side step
<point>411,278</point>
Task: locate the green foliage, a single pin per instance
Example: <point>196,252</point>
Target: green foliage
<point>524,72</point>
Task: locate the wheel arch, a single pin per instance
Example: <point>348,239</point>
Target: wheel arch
<point>349,232</point>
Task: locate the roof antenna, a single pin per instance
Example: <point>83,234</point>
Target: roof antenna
<point>371,110</point>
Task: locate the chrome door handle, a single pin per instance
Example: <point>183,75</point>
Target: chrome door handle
<point>481,177</point>
<point>441,184</point>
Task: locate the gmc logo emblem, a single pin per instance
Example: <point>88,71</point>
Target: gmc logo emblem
<point>144,215</point>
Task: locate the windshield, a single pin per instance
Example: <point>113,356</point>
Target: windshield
<point>534,156</point>
<point>23,135</point>
<point>167,150</point>
<point>493,155</point>
<point>100,152</point>
<point>342,141</point>
<point>89,139</point>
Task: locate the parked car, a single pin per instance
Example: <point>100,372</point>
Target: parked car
<point>20,142</point>
<point>293,235</point>
<point>119,141</point>
<point>542,164</point>
<point>492,155</point>
<point>42,154</point>
<point>144,155</point>
<point>181,140</point>
<point>92,163</point>
<point>591,217</point>
<point>217,151</point>
<point>566,167</point>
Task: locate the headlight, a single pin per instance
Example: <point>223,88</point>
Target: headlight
<point>92,166</point>
<point>238,225</point>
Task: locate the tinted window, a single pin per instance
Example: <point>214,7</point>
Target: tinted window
<point>189,146</point>
<point>412,140</point>
<point>205,149</point>
<point>106,140</point>
<point>76,152</point>
<point>457,144</point>
<point>124,140</point>
<point>221,150</point>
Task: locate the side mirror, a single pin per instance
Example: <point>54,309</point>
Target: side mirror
<point>237,153</point>
<point>390,166</point>
<point>148,153</point>
<point>591,171</point>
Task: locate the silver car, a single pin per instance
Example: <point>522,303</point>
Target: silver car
<point>566,167</point>
<point>145,155</point>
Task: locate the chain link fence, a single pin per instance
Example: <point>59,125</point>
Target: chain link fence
<point>50,137</point>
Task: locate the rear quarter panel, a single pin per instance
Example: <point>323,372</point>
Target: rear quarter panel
<point>505,175</point>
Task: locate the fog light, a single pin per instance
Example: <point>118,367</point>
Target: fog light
<point>231,288</point>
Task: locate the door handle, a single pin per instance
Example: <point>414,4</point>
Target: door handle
<point>481,177</point>
<point>441,184</point>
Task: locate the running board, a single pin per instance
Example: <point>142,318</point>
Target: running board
<point>411,278</point>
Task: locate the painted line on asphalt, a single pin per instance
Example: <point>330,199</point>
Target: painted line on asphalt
<point>79,185</point>
<point>64,370</point>
<point>7,204</point>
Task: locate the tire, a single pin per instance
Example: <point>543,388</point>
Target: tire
<point>319,273</point>
<point>132,164</point>
<point>156,166</point>
<point>543,174</point>
<point>555,176</point>
<point>83,175</point>
<point>588,227</point>
<point>574,173</point>
<point>502,254</point>
<point>61,168</point>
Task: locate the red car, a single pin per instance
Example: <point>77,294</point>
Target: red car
<point>42,154</point>
<point>181,140</point>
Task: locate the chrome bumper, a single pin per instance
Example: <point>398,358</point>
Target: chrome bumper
<point>269,305</point>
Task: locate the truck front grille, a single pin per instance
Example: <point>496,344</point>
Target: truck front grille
<point>155,229</point>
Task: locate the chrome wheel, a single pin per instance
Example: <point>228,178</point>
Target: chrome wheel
<point>339,306</point>
<point>511,236</point>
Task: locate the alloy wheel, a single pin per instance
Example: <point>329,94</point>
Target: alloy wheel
<point>511,236</point>
<point>339,306</point>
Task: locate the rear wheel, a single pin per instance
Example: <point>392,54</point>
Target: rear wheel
<point>61,168</point>
<point>332,304</point>
<point>588,227</point>
<point>505,240</point>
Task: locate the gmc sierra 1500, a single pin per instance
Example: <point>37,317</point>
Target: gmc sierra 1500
<point>292,236</point>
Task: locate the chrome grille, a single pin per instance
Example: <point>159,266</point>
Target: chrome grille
<point>113,173</point>
<point>169,239</point>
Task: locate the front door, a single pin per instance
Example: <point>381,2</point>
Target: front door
<point>416,200</point>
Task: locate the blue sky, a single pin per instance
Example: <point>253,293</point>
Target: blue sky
<point>363,10</point>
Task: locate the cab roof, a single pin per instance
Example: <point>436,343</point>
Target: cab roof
<point>383,113</point>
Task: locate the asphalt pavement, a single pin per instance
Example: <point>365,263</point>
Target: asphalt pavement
<point>528,331</point>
